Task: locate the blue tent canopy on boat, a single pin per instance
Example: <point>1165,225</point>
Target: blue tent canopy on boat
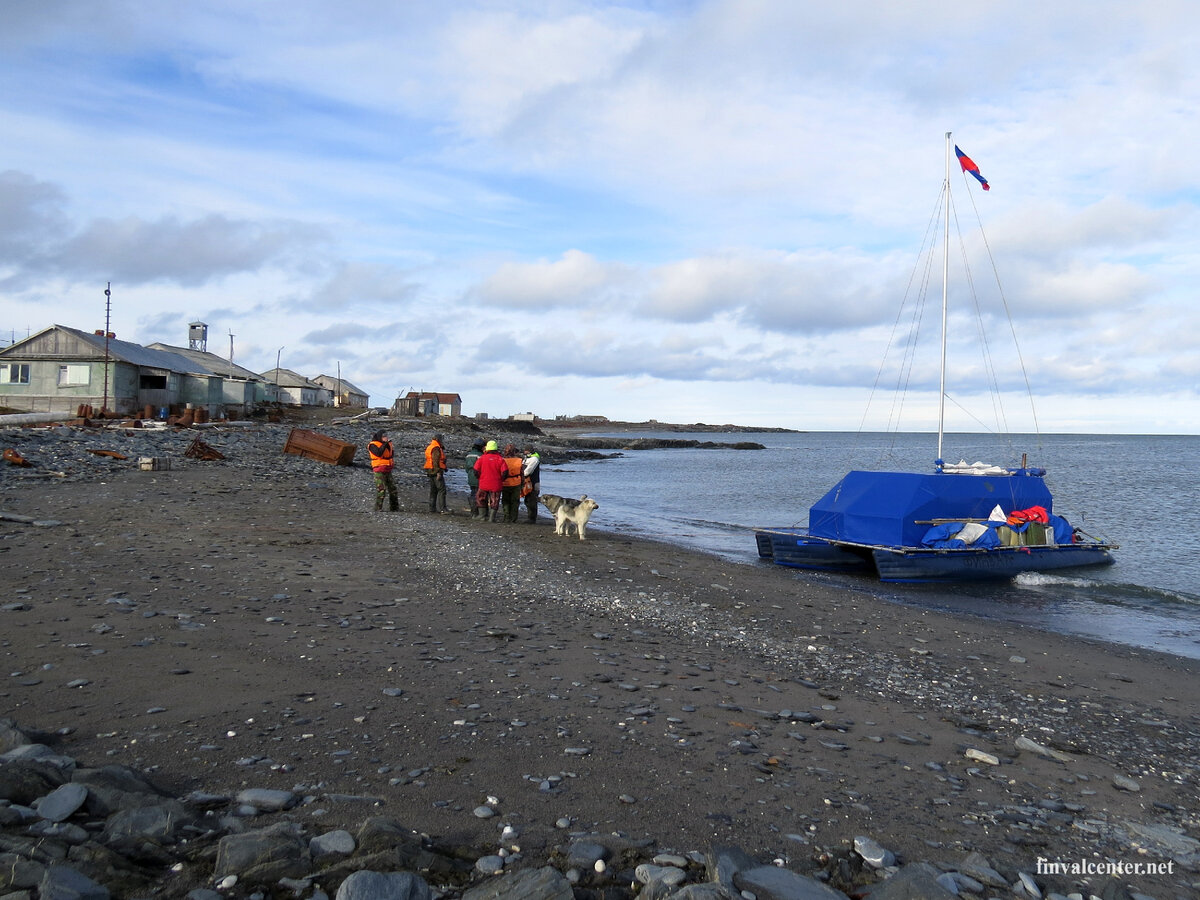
<point>883,508</point>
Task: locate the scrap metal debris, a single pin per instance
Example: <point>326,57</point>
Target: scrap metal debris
<point>15,458</point>
<point>197,449</point>
<point>113,453</point>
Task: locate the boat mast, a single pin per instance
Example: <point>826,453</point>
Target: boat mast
<point>945,282</point>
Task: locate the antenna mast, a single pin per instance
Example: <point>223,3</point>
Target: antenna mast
<point>107,336</point>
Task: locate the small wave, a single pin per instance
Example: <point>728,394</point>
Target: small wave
<point>1101,591</point>
<point>1041,579</point>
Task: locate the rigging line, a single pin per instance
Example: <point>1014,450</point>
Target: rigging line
<point>971,415</point>
<point>1011,327</point>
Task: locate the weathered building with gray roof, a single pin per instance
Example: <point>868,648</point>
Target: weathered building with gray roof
<point>60,368</point>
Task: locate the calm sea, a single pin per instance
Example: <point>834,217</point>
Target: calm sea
<point>1138,491</point>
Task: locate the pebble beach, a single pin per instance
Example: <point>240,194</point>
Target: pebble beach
<point>453,708</point>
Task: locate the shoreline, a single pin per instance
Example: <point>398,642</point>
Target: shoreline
<point>662,693</point>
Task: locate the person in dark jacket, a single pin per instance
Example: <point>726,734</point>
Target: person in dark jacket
<point>532,470</point>
<point>473,454</point>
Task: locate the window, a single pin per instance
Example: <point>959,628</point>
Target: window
<point>14,373</point>
<point>74,375</point>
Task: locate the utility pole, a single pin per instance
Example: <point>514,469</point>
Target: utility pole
<point>231,354</point>
<point>277,352</point>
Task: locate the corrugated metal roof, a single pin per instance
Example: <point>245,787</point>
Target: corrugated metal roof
<point>212,363</point>
<point>137,355</point>
<point>346,385</point>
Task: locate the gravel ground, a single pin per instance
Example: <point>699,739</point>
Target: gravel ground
<point>252,623</point>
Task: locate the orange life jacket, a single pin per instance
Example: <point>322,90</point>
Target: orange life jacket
<point>515,471</point>
<point>381,455</point>
<point>429,466</point>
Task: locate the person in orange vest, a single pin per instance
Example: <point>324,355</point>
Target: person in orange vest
<point>514,476</point>
<point>381,453</point>
<point>491,469</point>
<point>435,469</point>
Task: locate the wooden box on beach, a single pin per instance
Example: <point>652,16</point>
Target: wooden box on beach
<point>323,448</point>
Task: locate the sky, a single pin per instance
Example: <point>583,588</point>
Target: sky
<point>683,210</point>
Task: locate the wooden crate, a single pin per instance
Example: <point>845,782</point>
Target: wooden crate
<point>321,447</point>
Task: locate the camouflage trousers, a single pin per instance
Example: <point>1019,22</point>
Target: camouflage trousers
<point>385,486</point>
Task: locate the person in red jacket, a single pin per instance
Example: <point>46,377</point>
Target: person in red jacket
<point>492,469</point>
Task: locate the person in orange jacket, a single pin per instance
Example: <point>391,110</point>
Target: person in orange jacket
<point>381,452</point>
<point>435,469</point>
<point>514,476</point>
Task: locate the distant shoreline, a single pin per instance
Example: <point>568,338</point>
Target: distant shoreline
<point>694,428</point>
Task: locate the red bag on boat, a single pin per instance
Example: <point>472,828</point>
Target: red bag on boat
<point>1033,514</point>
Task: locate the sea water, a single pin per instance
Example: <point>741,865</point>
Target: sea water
<point>1136,491</point>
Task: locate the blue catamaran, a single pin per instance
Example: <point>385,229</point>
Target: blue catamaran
<point>955,523</point>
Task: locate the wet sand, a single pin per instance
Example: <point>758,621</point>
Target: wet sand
<point>225,628</point>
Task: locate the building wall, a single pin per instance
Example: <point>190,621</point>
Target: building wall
<point>44,393</point>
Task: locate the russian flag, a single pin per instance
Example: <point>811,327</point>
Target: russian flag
<point>968,165</point>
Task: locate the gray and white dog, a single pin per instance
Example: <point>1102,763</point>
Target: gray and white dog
<point>567,511</point>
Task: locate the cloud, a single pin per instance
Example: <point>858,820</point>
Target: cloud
<point>39,240</point>
<point>31,216</point>
<point>576,279</point>
<point>361,285</point>
<point>337,335</point>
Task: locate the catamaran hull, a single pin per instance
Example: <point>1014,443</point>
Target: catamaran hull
<point>923,566</point>
<point>794,548</point>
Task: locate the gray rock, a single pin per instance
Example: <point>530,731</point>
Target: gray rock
<point>1166,840</point>
<point>61,803</point>
<point>113,788</point>
<point>11,736</point>
<point>918,881</point>
<point>381,886</point>
<point>263,856</point>
<point>723,863</point>
<point>585,854</point>
<point>27,781</point>
<point>41,753</point>
<point>158,824</point>
<point>528,884</point>
<point>268,800</point>
<point>489,865</point>
<point>18,873</point>
<point>950,882</point>
<point>64,883</point>
<point>1125,783</point>
<point>1024,743</point>
<point>668,875</point>
<point>332,843</point>
<point>708,891</point>
<point>977,866</point>
<point>1030,886</point>
<point>873,853</point>
<point>774,883</point>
